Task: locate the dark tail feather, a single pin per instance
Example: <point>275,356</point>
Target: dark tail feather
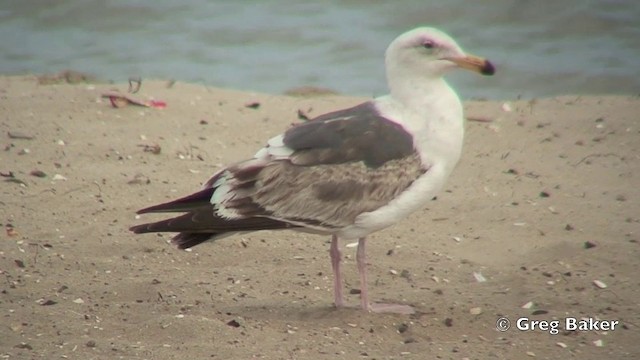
<point>185,240</point>
<point>187,203</point>
<point>201,225</point>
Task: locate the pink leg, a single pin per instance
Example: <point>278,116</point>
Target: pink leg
<point>334,252</point>
<point>361,259</point>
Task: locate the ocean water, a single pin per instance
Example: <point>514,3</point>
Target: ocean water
<point>541,48</point>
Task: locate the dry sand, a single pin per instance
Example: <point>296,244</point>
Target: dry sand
<point>534,185</point>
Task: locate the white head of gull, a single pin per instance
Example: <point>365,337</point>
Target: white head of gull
<point>347,173</point>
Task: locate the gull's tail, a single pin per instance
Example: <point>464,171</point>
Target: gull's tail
<point>200,222</point>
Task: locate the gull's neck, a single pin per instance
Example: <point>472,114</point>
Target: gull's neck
<point>425,94</point>
<point>419,91</point>
<point>432,112</point>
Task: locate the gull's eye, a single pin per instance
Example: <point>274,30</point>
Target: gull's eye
<point>428,44</point>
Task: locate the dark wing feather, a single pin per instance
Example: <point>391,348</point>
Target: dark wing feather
<point>356,134</point>
<point>187,203</point>
<point>200,223</point>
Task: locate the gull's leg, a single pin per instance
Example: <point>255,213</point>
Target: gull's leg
<point>361,259</point>
<point>334,252</point>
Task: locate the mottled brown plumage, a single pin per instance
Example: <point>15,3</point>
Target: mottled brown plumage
<point>329,195</point>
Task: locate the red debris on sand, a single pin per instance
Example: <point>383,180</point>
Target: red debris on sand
<point>121,100</point>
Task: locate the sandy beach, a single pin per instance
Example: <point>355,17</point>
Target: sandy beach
<point>544,207</point>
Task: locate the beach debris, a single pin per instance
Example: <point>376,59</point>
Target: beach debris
<point>531,353</point>
<point>479,277</point>
<point>544,194</point>
<point>405,274</point>
<point>310,91</point>
<point>233,323</point>
<point>598,343</point>
<point>19,263</point>
<point>154,149</point>
<point>252,105</point>
<point>78,301</point>
<point>137,80</point>
<point>528,305</point>
<point>19,135</point>
<point>46,302</point>
<point>589,245</point>
<point>561,344</point>
<point>402,328</point>
<point>10,177</point>
<point>58,177</point>
<point>303,115</point>
<point>24,345</point>
<point>599,284</point>
<point>24,151</point>
<point>139,179</point>
<point>479,119</point>
<point>38,173</point>
<point>119,100</point>
<point>10,230</point>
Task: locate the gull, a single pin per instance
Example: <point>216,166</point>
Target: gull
<point>347,173</point>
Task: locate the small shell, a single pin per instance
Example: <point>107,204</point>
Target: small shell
<point>599,284</point>
<point>479,277</point>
